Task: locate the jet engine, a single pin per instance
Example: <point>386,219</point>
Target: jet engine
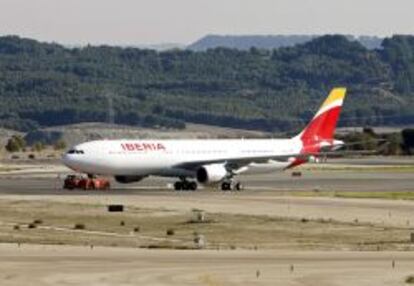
<point>212,173</point>
<point>128,179</point>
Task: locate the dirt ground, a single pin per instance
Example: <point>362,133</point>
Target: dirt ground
<point>63,265</point>
<point>145,225</point>
<point>268,235</point>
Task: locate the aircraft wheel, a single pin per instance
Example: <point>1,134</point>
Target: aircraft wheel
<point>239,186</point>
<point>192,186</point>
<point>186,186</point>
<point>178,186</point>
<point>226,186</point>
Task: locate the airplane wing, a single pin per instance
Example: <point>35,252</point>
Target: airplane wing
<point>236,163</point>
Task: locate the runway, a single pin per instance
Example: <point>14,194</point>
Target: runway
<point>340,180</point>
<point>272,194</point>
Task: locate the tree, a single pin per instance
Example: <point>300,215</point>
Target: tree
<point>268,90</point>
<point>59,145</point>
<point>20,141</point>
<point>12,146</point>
<point>38,146</point>
<point>15,144</point>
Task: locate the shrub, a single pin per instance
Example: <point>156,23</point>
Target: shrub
<point>79,226</point>
<point>170,231</point>
<point>31,225</point>
<point>59,145</point>
<point>410,279</point>
<point>12,146</point>
<point>38,146</point>
<point>15,144</point>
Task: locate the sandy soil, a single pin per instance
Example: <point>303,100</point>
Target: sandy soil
<point>376,211</point>
<point>219,230</point>
<point>69,265</point>
<point>52,265</point>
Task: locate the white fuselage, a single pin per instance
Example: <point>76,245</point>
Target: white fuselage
<point>208,160</point>
<point>164,157</point>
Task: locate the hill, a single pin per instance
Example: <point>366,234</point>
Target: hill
<point>269,42</point>
<point>45,84</point>
<point>78,133</point>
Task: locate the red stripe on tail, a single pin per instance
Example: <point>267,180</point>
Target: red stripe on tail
<point>322,127</point>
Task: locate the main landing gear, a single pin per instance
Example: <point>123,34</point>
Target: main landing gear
<point>231,186</point>
<point>184,185</point>
<point>228,185</point>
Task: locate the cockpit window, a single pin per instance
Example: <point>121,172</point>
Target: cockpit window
<point>74,151</point>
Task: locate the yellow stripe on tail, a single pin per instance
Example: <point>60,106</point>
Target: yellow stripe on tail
<point>337,94</point>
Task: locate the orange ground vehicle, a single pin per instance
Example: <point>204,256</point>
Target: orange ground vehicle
<point>86,183</point>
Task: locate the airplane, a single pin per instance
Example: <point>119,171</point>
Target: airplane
<point>210,161</point>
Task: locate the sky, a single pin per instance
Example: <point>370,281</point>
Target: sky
<point>140,22</point>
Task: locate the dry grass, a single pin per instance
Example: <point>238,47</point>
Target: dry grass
<point>224,230</point>
<point>397,195</point>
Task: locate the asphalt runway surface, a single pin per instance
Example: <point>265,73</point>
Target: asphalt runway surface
<point>343,174</point>
<point>264,194</point>
<point>331,180</point>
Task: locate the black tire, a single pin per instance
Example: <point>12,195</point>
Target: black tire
<point>178,186</point>
<point>225,186</point>
<point>239,187</point>
<point>193,186</point>
<point>186,186</point>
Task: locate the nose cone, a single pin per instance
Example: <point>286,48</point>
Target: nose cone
<point>73,158</point>
<point>69,161</point>
<point>65,159</point>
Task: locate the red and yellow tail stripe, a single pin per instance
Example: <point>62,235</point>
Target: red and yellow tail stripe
<point>335,98</point>
<point>323,124</point>
<point>320,131</point>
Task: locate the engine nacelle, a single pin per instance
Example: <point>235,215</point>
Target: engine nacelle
<point>128,179</point>
<point>213,173</point>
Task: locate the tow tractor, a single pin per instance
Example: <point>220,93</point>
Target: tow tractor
<point>73,182</point>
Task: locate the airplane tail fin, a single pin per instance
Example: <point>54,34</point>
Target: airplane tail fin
<point>322,127</point>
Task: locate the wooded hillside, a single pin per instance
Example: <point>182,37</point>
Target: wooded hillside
<point>47,84</point>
